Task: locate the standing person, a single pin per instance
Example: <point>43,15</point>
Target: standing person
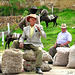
<point>63,39</point>
<point>33,32</point>
<point>24,22</point>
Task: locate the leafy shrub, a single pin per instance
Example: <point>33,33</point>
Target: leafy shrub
<point>25,13</point>
<point>4,11</point>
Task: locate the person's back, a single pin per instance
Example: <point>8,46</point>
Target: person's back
<point>24,22</point>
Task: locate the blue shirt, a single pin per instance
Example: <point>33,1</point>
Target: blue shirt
<point>64,37</point>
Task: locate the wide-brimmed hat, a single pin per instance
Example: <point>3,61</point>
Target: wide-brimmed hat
<point>33,9</point>
<point>63,25</point>
<point>31,16</point>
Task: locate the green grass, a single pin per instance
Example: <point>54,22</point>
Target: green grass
<point>65,16</point>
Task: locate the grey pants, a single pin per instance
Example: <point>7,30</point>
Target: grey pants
<point>37,51</point>
<point>52,50</point>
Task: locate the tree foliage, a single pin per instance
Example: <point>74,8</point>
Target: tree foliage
<point>13,4</point>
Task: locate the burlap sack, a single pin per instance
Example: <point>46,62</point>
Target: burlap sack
<point>12,61</point>
<point>45,67</point>
<point>46,56</point>
<point>71,61</point>
<point>0,63</point>
<point>29,55</point>
<point>61,57</point>
<point>31,66</point>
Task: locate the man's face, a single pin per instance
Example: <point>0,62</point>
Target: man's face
<point>63,29</point>
<point>32,21</point>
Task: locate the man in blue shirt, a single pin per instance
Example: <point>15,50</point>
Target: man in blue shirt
<point>63,40</point>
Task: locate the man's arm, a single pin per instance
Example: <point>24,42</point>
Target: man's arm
<point>22,22</point>
<point>42,33</point>
<point>21,40</point>
<point>23,36</point>
<point>55,44</point>
<point>66,43</point>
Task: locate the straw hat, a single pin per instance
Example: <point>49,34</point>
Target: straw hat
<point>31,16</point>
<point>63,25</point>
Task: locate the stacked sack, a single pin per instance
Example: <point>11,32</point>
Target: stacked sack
<point>61,57</point>
<point>65,57</point>
<point>0,63</point>
<point>71,60</point>
<point>29,63</point>
<point>12,61</point>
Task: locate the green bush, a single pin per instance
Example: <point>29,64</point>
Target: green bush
<point>25,13</point>
<point>4,11</point>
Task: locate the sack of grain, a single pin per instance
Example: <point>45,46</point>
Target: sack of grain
<point>71,60</point>
<point>0,62</point>
<point>61,57</point>
<point>45,67</point>
<point>31,66</point>
<point>12,61</point>
<point>29,55</point>
<point>46,56</point>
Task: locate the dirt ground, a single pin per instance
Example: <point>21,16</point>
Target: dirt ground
<point>56,70</point>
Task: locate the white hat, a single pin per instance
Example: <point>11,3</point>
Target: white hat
<point>63,25</point>
<point>31,16</point>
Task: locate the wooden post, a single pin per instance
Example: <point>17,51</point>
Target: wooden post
<point>2,38</point>
<point>52,7</point>
<point>8,28</point>
<point>39,17</point>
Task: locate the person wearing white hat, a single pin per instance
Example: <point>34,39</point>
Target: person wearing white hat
<point>24,22</point>
<point>33,32</point>
<point>63,39</point>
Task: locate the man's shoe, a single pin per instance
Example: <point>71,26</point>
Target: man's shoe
<point>50,62</point>
<point>38,70</point>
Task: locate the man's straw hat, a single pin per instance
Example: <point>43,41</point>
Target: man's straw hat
<point>31,16</point>
<point>63,25</point>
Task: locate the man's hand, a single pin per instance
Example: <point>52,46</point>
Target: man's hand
<point>55,46</point>
<point>38,28</point>
<point>61,45</point>
<point>21,45</point>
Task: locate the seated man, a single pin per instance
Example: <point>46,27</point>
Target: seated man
<point>63,39</point>
<point>33,32</point>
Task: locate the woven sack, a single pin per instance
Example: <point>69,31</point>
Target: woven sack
<point>71,61</point>
<point>29,55</point>
<point>61,57</point>
<point>12,61</point>
<point>45,67</point>
<point>31,66</point>
<point>0,63</point>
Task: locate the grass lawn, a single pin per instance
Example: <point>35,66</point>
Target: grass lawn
<point>66,16</point>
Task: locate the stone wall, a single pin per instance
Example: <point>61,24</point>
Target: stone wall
<point>9,19</point>
<point>60,4</point>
